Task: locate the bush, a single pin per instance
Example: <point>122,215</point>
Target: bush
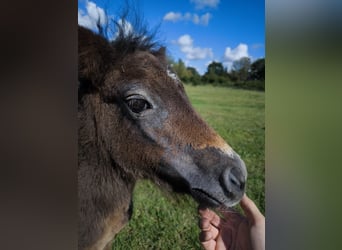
<point>253,85</point>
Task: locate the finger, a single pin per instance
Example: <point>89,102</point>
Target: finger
<point>205,236</point>
<point>205,226</point>
<point>250,209</point>
<point>209,245</point>
<point>205,212</point>
<point>214,232</point>
<point>210,215</point>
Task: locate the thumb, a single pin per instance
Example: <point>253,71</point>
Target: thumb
<point>251,210</point>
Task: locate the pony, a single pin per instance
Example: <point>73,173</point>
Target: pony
<point>135,121</point>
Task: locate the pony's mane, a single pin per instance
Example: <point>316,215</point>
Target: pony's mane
<point>129,33</point>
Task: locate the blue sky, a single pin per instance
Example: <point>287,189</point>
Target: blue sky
<point>196,31</point>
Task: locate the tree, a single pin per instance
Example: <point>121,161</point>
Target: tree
<point>258,70</point>
<point>194,76</point>
<point>193,72</point>
<point>216,68</point>
<point>181,70</point>
<point>216,74</point>
<point>241,68</point>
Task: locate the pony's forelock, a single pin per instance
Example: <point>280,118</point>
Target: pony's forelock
<point>129,32</point>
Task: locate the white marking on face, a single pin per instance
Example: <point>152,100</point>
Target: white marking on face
<point>172,75</point>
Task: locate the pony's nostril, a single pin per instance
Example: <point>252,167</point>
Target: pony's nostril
<point>233,180</point>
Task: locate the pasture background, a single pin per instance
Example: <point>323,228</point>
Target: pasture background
<point>165,221</point>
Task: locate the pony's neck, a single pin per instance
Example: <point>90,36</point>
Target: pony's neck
<point>105,193</point>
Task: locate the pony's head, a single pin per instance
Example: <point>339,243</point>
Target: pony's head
<point>144,125</point>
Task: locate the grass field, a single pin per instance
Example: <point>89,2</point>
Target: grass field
<point>164,221</point>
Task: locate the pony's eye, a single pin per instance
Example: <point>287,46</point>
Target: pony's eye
<point>138,105</point>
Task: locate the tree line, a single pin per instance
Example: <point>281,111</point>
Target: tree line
<point>243,74</point>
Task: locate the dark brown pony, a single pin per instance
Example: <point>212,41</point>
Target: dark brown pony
<point>135,121</point>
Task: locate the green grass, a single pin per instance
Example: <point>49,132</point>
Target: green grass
<point>162,221</point>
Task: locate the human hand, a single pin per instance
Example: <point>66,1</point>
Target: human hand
<point>233,231</point>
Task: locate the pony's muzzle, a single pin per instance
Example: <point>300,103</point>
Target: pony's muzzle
<point>233,180</point>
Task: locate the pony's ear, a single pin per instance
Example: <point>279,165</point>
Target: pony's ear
<point>161,54</point>
<point>94,53</point>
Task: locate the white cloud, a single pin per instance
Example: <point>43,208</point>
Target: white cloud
<point>200,4</point>
<point>187,16</point>
<point>185,43</point>
<point>172,16</point>
<point>240,51</point>
<point>195,18</point>
<point>85,21</point>
<point>92,15</point>
<point>205,18</point>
